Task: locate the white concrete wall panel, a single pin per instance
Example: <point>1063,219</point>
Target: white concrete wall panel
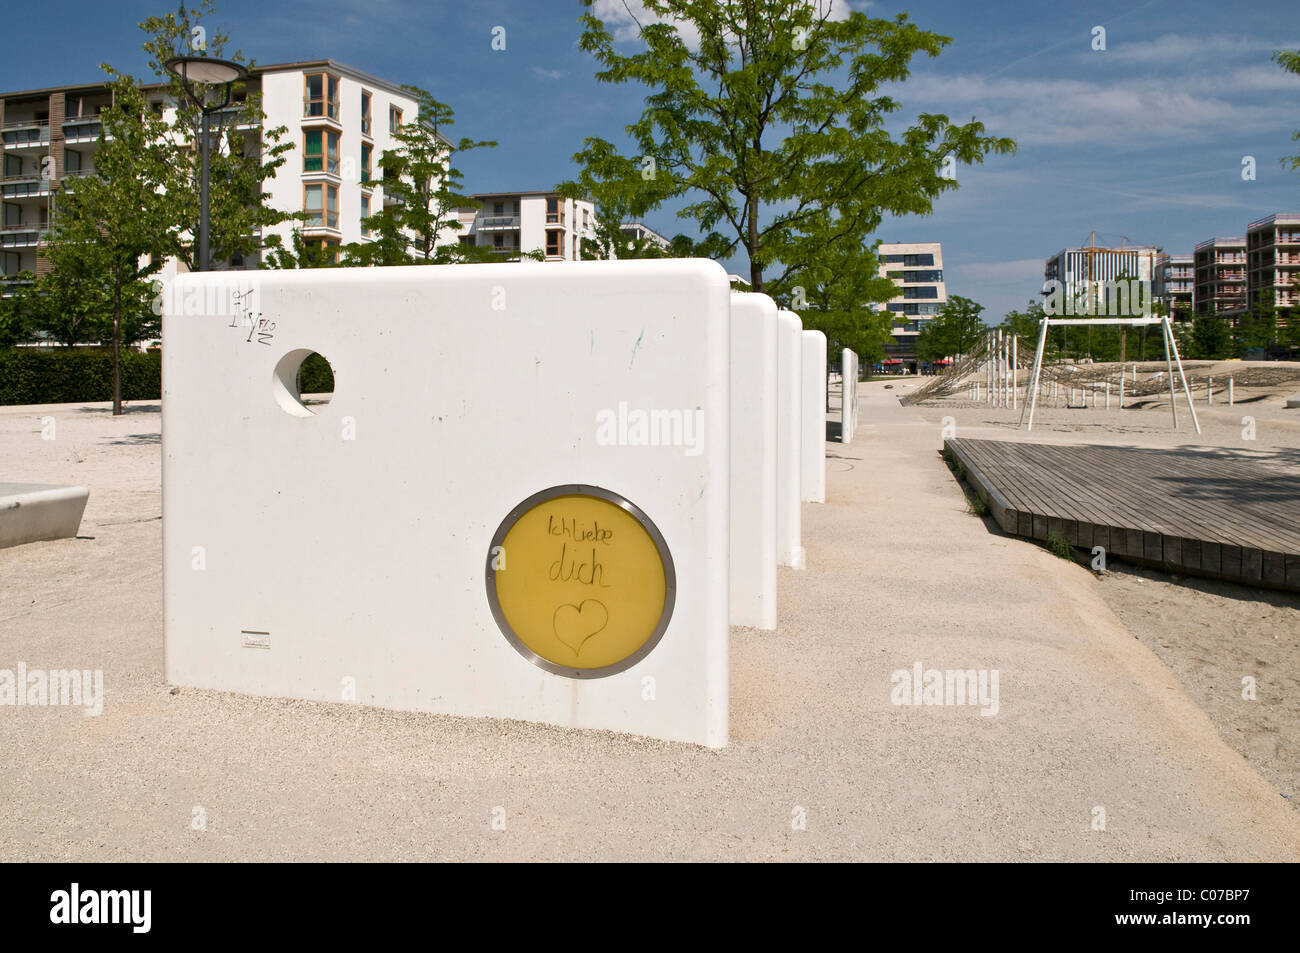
<point>813,468</point>
<point>789,439</point>
<point>848,395</point>
<point>358,537</point>
<point>753,460</point>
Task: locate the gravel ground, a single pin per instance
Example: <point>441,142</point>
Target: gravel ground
<point>1088,716</point>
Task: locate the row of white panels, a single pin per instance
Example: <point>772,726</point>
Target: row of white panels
<point>538,491</point>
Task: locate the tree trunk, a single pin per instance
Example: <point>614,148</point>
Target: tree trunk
<point>117,352</point>
<point>755,264</point>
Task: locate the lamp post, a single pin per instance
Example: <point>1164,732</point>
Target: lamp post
<point>196,74</point>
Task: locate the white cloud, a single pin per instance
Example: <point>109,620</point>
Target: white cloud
<point>1187,48</point>
<point>547,73</point>
<point>1122,113</point>
<point>621,17</point>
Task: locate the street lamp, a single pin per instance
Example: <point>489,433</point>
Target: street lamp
<point>205,71</point>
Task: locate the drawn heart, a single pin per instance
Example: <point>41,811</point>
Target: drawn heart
<point>574,625</point>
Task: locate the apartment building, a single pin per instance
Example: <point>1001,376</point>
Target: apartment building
<point>917,269</point>
<point>1220,277</point>
<point>1273,260</point>
<point>47,137</point>
<point>1175,280</point>
<point>339,119</point>
<point>638,231</point>
<point>511,223</point>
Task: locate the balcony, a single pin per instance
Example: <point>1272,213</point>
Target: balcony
<point>82,129</point>
<point>25,135</point>
<point>22,236</point>
<point>494,222</point>
<point>231,117</point>
<point>24,187</point>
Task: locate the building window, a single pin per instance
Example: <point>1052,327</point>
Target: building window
<point>156,107</point>
<point>575,247</point>
<point>467,240</point>
<point>321,203</point>
<point>365,214</point>
<point>322,249</point>
<point>554,215</point>
<point>322,96</point>
<point>366,153</point>
<point>498,208</point>
<point>553,242</point>
<point>71,160</point>
<point>394,119</point>
<point>365,113</point>
<point>320,152</point>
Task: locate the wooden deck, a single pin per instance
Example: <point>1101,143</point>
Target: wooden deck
<point>1208,511</point>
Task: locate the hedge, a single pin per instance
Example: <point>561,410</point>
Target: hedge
<point>39,375</point>
<point>315,376</point>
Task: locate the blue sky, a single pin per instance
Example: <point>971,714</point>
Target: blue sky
<point>1143,140</point>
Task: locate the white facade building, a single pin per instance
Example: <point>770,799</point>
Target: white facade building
<point>339,119</point>
<point>638,231</point>
<point>512,223</point>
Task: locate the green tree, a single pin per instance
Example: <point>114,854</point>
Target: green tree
<point>16,310</point>
<point>1024,325</point>
<point>1291,63</point>
<point>831,293</point>
<point>421,194</point>
<point>244,154</point>
<point>621,193</point>
<point>1256,328</point>
<point>299,253</point>
<point>772,126</point>
<point>954,331</point>
<point>1210,338</point>
<point>1289,324</point>
<point>111,232</point>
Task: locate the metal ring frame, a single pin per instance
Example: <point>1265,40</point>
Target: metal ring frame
<point>665,558</point>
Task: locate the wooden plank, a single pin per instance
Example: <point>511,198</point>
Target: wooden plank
<point>1218,511</point>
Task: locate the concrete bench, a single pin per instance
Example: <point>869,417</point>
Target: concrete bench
<point>36,511</point>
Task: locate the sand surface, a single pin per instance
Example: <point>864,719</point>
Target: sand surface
<point>899,572</point>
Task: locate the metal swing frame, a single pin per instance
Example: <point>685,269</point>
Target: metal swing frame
<point>1171,358</point>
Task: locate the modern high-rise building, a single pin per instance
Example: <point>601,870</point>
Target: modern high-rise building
<point>917,269</point>
<point>511,223</point>
<point>1175,279</point>
<point>339,119</point>
<point>1273,260</point>
<point>1220,287</point>
<point>1074,268</point>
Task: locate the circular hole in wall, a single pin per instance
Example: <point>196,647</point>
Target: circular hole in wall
<point>303,382</point>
